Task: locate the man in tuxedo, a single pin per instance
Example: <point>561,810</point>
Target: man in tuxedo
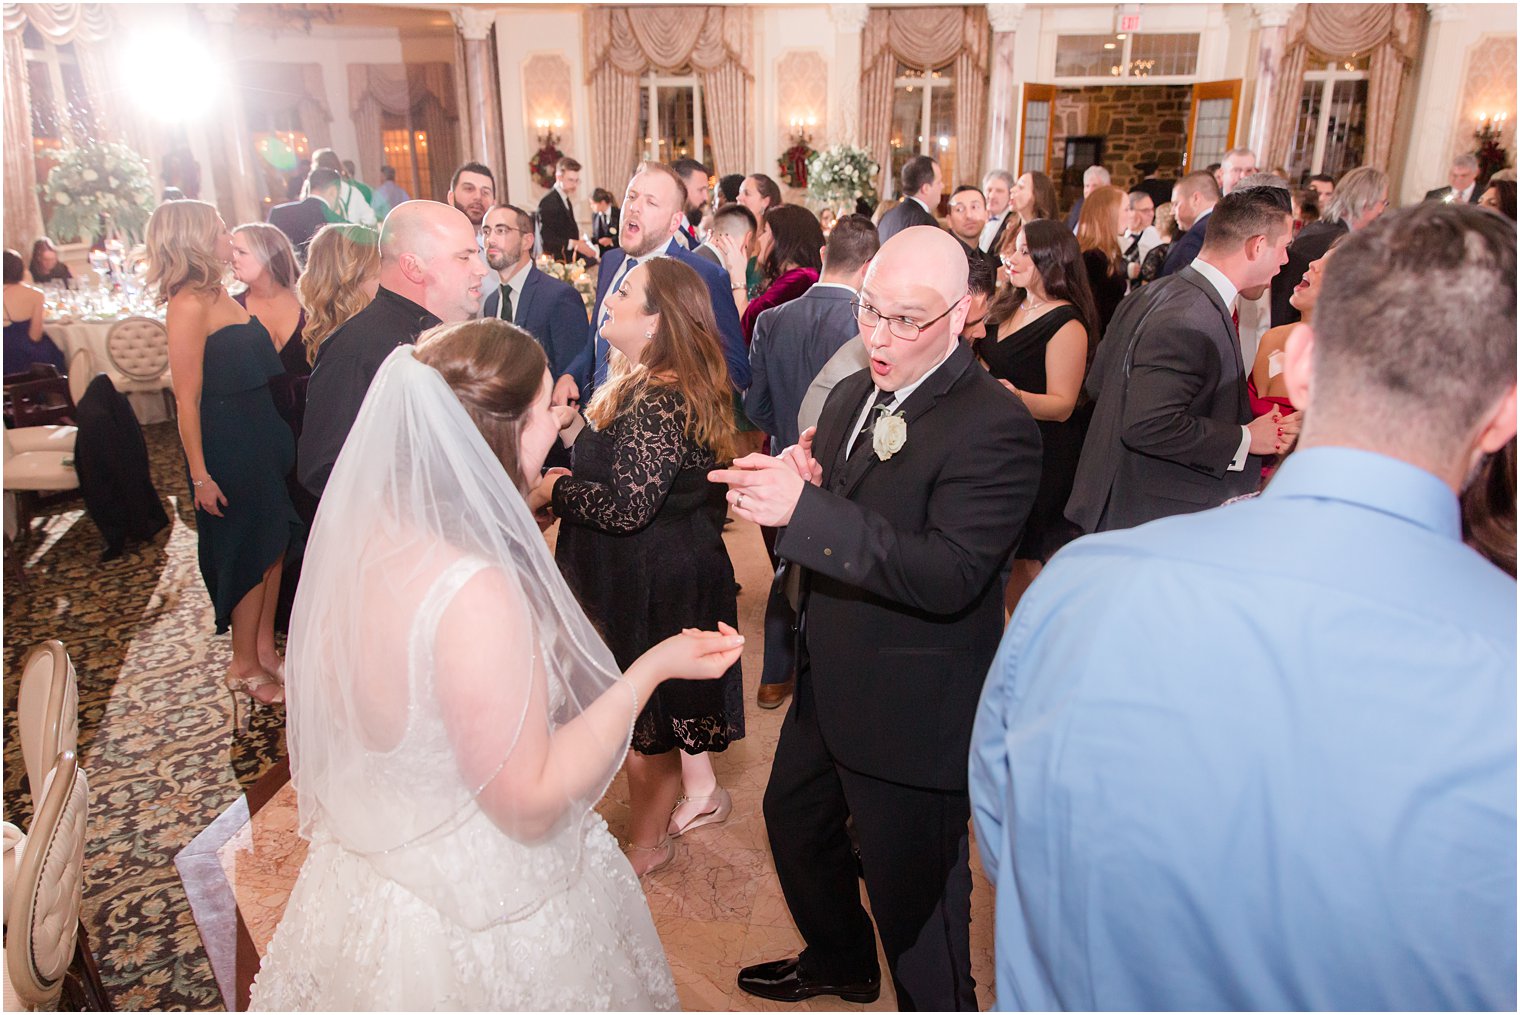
<point>558,231</point>
<point>1193,201</point>
<point>790,345</point>
<point>925,471</point>
<point>653,212</point>
<point>546,308</point>
<point>1093,177</point>
<point>922,184</point>
<point>429,275</point>
<point>604,221</point>
<point>1361,197</point>
<point>997,187</point>
<point>698,197</point>
<point>1462,182</point>
<point>1139,237</point>
<point>1172,430</point>
<point>300,220</point>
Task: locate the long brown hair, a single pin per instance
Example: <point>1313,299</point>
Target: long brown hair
<point>1097,226</point>
<point>340,258</point>
<point>683,354</point>
<point>1058,261</point>
<point>496,370</point>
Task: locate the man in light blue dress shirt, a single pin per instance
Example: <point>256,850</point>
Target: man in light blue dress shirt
<point>1263,756</point>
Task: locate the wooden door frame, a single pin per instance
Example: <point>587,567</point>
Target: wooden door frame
<point>1034,92</point>
<point>1203,91</point>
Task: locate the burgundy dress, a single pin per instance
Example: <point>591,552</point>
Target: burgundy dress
<point>787,287</point>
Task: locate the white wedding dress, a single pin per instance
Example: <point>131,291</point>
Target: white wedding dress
<point>412,897</point>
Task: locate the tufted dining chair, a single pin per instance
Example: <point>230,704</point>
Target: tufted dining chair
<point>47,709</point>
<point>81,373</point>
<point>138,350</point>
<point>46,895</point>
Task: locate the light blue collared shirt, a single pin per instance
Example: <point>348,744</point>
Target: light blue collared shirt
<point>1258,757</point>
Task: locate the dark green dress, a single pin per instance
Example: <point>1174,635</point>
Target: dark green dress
<point>248,450</point>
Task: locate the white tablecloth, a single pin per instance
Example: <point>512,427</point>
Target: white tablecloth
<point>149,406</point>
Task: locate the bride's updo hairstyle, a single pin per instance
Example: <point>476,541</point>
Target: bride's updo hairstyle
<point>496,371</point>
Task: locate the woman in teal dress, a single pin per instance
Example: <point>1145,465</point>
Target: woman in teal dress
<point>237,448</point>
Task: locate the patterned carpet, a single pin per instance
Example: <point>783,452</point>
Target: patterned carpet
<point>156,734</point>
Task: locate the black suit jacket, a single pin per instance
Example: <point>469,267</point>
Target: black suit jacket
<point>1075,214</point>
<point>300,220</point>
<point>553,313</point>
<point>908,213</point>
<point>1439,194</point>
<point>1002,231</point>
<point>1307,247</point>
<point>1186,247</point>
<point>605,227</point>
<point>556,226</point>
<point>346,364</point>
<point>1171,398</point>
<point>901,605</point>
<point>790,345</point>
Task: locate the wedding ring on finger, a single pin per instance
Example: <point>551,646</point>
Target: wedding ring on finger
<point>739,499</point>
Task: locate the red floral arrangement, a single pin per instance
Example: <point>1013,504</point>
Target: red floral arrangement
<point>542,164</point>
<point>793,162</point>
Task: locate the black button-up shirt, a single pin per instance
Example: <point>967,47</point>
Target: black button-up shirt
<point>346,364</point>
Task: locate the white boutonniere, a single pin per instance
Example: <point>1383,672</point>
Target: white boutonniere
<point>889,435</point>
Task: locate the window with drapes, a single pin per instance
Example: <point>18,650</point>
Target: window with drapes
<point>61,113</point>
<point>923,118</point>
<point>1330,133</point>
<point>673,118</point>
<point>406,151</point>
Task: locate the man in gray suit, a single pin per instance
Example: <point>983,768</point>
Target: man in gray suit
<point>921,183</point>
<point>790,346</point>
<point>1172,431</point>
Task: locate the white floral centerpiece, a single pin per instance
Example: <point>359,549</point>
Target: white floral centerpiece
<point>98,179</point>
<point>574,273</point>
<point>841,174</point>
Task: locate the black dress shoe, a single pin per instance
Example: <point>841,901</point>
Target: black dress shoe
<point>783,981</point>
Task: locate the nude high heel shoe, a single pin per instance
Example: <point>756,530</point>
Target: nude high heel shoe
<point>723,805</point>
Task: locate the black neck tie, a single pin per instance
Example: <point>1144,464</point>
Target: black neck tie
<point>863,437</point>
<point>504,308</point>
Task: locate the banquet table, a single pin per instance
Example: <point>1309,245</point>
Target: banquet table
<point>90,333</point>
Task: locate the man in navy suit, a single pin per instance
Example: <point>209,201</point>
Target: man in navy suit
<point>300,220</point>
<point>546,308</point>
<point>1193,199</point>
<point>921,184</point>
<point>653,210</point>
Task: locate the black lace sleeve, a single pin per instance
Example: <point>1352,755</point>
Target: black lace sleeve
<point>649,446</point>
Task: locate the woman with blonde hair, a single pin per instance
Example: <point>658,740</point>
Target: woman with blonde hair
<point>641,535</point>
<point>237,449</point>
<point>1098,229</point>
<point>342,276</point>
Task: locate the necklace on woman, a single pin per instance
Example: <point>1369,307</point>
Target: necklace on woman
<point>1030,303</point>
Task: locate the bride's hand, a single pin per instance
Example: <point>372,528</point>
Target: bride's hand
<point>540,496</point>
<point>694,655</point>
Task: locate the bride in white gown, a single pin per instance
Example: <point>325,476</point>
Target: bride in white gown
<point>453,718</point>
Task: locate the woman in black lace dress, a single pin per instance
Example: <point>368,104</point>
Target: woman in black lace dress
<point>641,535</point>
<point>1041,332</point>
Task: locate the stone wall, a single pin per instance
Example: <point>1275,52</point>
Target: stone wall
<point>1138,123</point>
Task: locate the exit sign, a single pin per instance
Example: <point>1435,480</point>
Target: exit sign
<point>1129,22</point>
